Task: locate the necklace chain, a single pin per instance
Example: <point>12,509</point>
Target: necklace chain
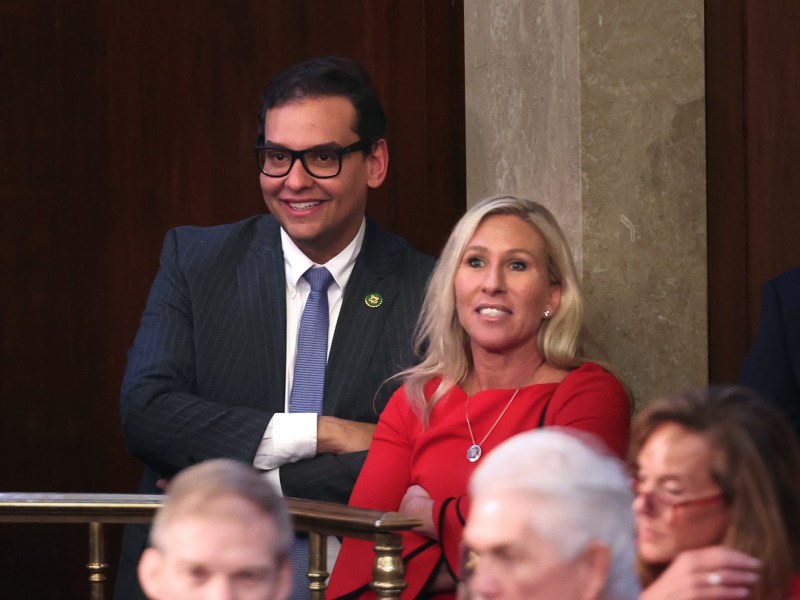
<point>474,451</point>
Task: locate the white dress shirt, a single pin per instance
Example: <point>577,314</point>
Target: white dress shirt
<point>290,437</point>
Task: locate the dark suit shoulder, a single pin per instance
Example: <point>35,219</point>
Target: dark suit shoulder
<point>787,284</point>
<point>221,235</point>
<point>227,244</point>
<point>386,253</point>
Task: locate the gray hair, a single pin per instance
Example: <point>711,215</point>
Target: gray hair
<point>191,491</point>
<point>587,492</point>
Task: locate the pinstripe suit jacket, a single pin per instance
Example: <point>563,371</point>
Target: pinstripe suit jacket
<point>207,368</point>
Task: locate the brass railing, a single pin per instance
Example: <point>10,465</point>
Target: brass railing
<point>319,519</point>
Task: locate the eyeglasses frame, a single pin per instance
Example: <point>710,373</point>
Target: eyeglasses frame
<point>360,145</point>
<point>657,498</point>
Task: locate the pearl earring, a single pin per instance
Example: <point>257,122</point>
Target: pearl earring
<point>547,313</point>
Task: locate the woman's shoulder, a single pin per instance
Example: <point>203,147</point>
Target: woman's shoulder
<point>553,378</point>
<point>593,377</point>
<point>401,400</point>
<point>431,385</point>
<point>591,370</point>
<point>593,399</point>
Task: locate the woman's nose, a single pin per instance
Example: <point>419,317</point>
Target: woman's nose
<point>494,280</point>
<point>643,502</point>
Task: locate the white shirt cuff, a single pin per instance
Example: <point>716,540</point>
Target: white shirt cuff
<point>274,477</point>
<point>289,437</point>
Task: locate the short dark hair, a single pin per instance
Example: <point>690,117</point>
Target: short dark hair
<point>328,76</point>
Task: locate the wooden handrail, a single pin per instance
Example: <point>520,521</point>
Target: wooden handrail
<point>78,508</point>
<point>319,519</point>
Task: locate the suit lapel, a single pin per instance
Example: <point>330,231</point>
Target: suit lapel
<point>360,323</point>
<point>262,286</point>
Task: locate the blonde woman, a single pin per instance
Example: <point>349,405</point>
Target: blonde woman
<point>501,338</point>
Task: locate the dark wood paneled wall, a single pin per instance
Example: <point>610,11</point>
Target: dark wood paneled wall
<point>121,119</point>
<point>753,145</point>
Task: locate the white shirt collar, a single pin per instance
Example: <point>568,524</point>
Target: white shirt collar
<point>340,266</point>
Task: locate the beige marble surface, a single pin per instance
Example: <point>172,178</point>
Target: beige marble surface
<point>597,108</point>
<point>523,105</point>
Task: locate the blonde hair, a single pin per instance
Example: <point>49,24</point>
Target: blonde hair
<point>442,341</point>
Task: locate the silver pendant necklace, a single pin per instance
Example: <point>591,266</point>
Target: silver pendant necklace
<point>474,451</point>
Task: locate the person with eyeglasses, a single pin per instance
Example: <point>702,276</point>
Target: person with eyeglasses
<point>269,340</point>
<point>717,485</point>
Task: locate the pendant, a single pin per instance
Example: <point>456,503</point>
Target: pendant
<point>473,453</point>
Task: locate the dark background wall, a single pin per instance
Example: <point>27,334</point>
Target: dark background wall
<point>119,120</point>
<point>753,162</point>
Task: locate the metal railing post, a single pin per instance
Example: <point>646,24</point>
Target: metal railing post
<point>318,564</point>
<point>96,565</point>
<point>388,570</point>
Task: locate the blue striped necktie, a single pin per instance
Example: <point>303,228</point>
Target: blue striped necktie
<point>308,389</point>
<point>312,346</point>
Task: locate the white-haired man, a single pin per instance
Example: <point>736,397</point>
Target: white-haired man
<point>550,519</point>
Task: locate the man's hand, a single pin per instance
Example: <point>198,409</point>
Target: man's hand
<point>340,436</point>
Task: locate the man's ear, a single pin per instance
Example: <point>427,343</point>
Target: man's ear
<point>592,566</point>
<point>378,163</point>
<point>150,571</point>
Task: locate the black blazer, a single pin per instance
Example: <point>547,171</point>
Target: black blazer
<point>206,371</point>
<point>773,364</point>
<point>207,368</point>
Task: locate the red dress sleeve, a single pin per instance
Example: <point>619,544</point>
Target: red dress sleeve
<point>592,399</point>
<point>383,482</point>
<point>449,518</point>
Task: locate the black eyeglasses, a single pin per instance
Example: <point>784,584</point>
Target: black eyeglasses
<point>322,163</point>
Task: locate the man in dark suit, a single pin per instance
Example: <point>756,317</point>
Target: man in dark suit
<point>211,369</point>
<point>773,364</point>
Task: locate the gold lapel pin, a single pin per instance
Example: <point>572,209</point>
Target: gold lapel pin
<point>373,300</point>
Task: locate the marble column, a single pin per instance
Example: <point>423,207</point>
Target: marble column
<point>597,109</point>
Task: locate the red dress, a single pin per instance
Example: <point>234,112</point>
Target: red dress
<point>794,590</point>
<point>403,454</point>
